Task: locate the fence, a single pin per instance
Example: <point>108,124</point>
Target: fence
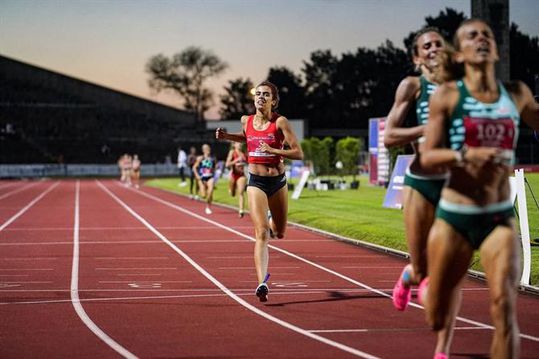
<point>80,170</point>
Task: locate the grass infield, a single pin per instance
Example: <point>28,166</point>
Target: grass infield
<point>359,213</point>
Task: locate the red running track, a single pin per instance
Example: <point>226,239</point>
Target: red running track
<point>93,269</point>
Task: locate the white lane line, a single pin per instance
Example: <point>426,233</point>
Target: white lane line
<point>325,269</point>
<point>25,269</point>
<point>28,282</point>
<point>70,243</point>
<point>27,207</point>
<point>75,300</point>
<point>230,257</point>
<point>138,242</point>
<point>371,267</point>
<point>31,259</point>
<point>41,229</point>
<point>344,290</point>
<point>139,268</point>
<point>130,258</point>
<point>348,256</point>
<point>145,281</point>
<point>6,195</point>
<point>220,294</point>
<point>251,268</point>
<point>385,330</point>
<point>230,293</point>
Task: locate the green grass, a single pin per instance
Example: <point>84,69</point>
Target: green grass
<point>358,213</point>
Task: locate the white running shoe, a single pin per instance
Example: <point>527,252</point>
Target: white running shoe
<point>208,210</point>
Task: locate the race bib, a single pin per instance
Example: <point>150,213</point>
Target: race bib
<point>499,133</point>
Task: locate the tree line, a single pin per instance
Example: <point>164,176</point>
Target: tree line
<point>331,91</point>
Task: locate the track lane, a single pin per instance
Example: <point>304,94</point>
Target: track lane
<point>180,314</point>
<point>191,326</point>
<point>475,308</point>
<point>330,307</point>
<point>51,328</point>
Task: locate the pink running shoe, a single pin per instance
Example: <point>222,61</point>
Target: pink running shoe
<point>422,292</point>
<point>401,294</point>
<point>440,356</point>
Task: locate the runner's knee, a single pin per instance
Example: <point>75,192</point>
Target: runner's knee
<point>261,232</point>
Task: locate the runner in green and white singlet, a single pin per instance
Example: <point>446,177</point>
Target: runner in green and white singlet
<point>473,131</point>
<point>422,188</point>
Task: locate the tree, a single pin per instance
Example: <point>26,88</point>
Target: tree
<point>319,153</point>
<point>447,22</point>
<point>523,67</point>
<point>347,151</point>
<point>345,92</point>
<point>319,73</point>
<point>185,74</point>
<point>291,92</point>
<point>237,100</point>
<point>326,164</point>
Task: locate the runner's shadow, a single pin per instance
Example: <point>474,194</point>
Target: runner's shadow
<point>333,297</point>
<point>470,355</point>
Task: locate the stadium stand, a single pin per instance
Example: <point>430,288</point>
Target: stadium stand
<point>47,117</point>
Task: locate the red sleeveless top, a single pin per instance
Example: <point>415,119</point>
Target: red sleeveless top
<point>272,136</point>
<point>238,167</point>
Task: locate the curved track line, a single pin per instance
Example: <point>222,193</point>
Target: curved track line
<point>325,269</point>
<point>221,286</point>
<point>75,300</point>
<point>34,201</point>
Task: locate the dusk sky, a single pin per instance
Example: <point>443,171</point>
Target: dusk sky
<point>109,42</point>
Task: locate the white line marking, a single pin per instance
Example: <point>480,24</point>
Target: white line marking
<point>140,242</point>
<point>75,288</point>
<point>130,258</point>
<point>231,257</point>
<point>220,294</point>
<point>349,256</point>
<point>32,259</point>
<point>29,282</point>
<point>251,268</point>
<point>374,330</point>
<point>372,267</point>
<point>250,290</point>
<point>26,269</point>
<point>139,268</point>
<point>230,293</point>
<point>70,243</point>
<point>325,269</point>
<point>142,281</point>
<point>27,207</point>
<point>6,195</point>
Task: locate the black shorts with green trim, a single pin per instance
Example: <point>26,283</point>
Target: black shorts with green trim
<point>429,188</point>
<point>475,223</point>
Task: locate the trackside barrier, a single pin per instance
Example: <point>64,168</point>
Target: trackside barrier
<point>81,170</point>
<point>524,226</point>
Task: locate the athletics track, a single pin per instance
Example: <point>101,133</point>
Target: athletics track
<point>91,269</point>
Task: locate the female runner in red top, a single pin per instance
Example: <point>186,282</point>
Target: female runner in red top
<point>265,134</point>
<point>236,160</point>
